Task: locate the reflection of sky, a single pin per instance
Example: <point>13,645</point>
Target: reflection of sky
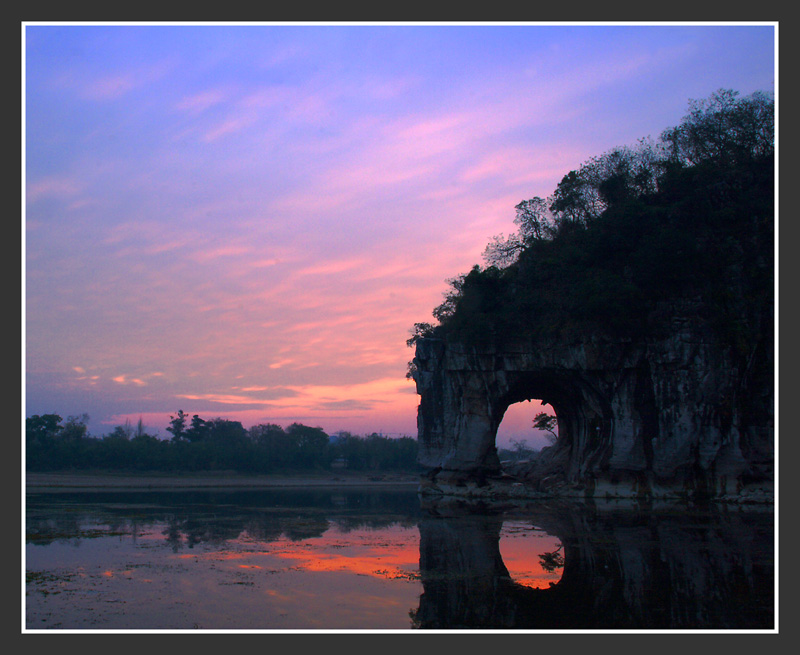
<point>361,578</point>
<point>521,544</point>
<point>246,221</point>
<point>390,553</point>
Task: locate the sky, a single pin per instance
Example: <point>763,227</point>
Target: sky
<point>244,221</point>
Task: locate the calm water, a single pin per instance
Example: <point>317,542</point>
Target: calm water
<point>382,560</point>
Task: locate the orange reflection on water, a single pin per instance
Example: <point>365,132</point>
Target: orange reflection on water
<point>392,553</point>
<point>533,557</point>
<point>389,553</point>
<point>108,573</point>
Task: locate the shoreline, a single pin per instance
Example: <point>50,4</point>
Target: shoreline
<point>98,481</point>
<point>104,481</point>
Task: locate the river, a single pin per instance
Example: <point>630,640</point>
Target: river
<point>357,560</point>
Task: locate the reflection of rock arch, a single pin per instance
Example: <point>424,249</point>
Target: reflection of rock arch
<point>623,569</point>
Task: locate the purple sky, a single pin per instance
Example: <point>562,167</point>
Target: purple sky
<point>245,221</point>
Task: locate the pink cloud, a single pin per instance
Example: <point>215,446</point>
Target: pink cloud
<point>266,98</point>
<point>204,256</point>
<point>229,126</point>
<point>225,399</point>
<point>199,102</point>
<point>110,87</point>
<point>54,186</point>
<point>310,108</point>
<point>424,131</point>
<point>332,267</point>
<point>115,86</point>
<point>123,379</point>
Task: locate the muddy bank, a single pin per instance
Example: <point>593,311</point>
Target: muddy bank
<point>43,482</point>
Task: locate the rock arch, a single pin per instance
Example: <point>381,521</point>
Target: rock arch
<point>658,417</point>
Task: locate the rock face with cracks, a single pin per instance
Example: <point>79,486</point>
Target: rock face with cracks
<point>672,414</point>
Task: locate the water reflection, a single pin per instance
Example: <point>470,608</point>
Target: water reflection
<point>258,561</point>
<point>208,517</point>
<point>386,560</point>
<point>623,569</point>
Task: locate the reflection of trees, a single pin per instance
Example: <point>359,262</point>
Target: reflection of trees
<point>552,560</point>
<point>306,528</point>
<point>174,535</point>
<point>190,518</point>
<point>73,526</point>
<point>347,524</point>
<point>43,531</point>
<point>194,530</point>
<point>621,569</point>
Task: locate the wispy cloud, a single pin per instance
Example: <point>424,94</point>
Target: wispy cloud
<point>105,86</point>
<point>52,187</point>
<point>310,398</point>
<point>200,102</point>
<point>226,399</point>
<point>228,126</point>
<point>109,87</point>
<point>223,251</point>
<point>124,379</point>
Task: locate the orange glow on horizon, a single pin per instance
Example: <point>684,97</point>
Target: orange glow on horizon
<point>382,405</point>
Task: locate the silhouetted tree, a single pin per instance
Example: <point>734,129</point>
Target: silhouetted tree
<point>177,426</point>
<point>544,421</point>
<point>503,251</point>
<point>120,433</point>
<point>521,450</point>
<point>724,128</point>
<point>225,431</point>
<point>278,449</point>
<point>552,560</point>
<point>42,430</point>
<point>75,428</point>
<point>312,444</point>
<point>198,429</point>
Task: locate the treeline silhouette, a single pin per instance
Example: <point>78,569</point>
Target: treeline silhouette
<point>196,444</point>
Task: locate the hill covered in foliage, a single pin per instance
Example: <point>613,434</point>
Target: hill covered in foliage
<point>689,216</point>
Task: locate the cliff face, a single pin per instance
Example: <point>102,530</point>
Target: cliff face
<point>675,412</point>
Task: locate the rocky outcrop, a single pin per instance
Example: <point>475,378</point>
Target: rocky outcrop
<point>677,412</point>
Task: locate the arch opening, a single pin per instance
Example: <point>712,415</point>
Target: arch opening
<point>517,437</point>
<point>582,415</point>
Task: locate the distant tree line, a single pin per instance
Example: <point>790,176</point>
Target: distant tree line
<point>197,444</point>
